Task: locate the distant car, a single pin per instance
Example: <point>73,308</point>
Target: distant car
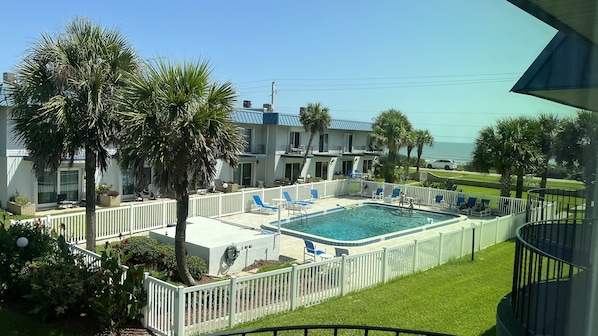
<point>443,164</point>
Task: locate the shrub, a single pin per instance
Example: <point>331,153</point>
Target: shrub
<point>112,193</point>
<point>13,259</point>
<point>60,282</point>
<point>102,188</point>
<point>119,293</point>
<point>19,199</point>
<point>144,250</point>
<point>167,263</point>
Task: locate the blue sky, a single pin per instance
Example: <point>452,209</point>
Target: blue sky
<point>448,65</point>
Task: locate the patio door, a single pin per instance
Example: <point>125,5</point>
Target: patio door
<point>348,144</point>
<point>242,175</point>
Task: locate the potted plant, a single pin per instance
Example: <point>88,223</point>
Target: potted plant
<point>108,197</point>
<point>20,205</point>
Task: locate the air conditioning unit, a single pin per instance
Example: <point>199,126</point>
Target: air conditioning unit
<point>267,107</point>
<point>9,77</point>
<point>247,104</point>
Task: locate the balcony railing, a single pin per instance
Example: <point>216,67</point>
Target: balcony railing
<point>334,330</point>
<point>551,276</point>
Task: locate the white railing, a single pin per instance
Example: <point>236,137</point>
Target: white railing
<point>129,219</point>
<point>206,308</point>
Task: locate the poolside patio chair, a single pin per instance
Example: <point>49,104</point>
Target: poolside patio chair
<point>314,195</point>
<point>338,252</point>
<point>260,206</point>
<point>305,204</point>
<point>482,209</point>
<point>439,201</point>
<point>356,174</point>
<point>310,252</point>
<point>396,193</point>
<point>471,201</point>
<point>378,194</point>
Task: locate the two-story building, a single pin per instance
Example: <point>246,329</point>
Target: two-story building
<point>276,145</point>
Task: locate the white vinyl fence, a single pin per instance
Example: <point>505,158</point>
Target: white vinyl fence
<point>173,310</point>
<point>139,217</point>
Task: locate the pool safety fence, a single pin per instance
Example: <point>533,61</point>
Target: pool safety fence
<point>139,217</point>
<point>206,308</point>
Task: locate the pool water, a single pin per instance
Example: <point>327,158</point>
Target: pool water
<point>360,222</point>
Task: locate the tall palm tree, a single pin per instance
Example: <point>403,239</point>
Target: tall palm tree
<point>577,148</point>
<point>422,137</point>
<point>315,119</point>
<point>63,102</point>
<point>410,143</point>
<point>390,129</point>
<point>510,148</point>
<point>177,121</point>
<point>549,127</point>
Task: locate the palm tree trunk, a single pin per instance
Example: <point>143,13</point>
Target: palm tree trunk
<point>544,180</point>
<point>180,251</point>
<point>505,184</point>
<point>311,138</point>
<point>519,187</point>
<point>90,199</point>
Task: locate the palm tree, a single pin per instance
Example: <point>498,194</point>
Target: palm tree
<point>177,121</point>
<point>510,148</point>
<point>549,127</point>
<point>410,143</point>
<point>390,129</point>
<point>315,119</point>
<point>63,102</point>
<point>577,148</point>
<point>422,137</point>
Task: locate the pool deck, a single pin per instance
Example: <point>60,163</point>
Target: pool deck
<point>291,248</point>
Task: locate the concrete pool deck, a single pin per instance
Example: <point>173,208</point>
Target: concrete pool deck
<point>291,248</point>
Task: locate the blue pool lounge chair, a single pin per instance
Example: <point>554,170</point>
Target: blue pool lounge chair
<point>378,194</point>
<point>469,206</point>
<point>482,209</point>
<point>262,207</point>
<point>305,204</point>
<point>396,193</point>
<point>439,200</point>
<point>310,252</point>
<point>314,195</point>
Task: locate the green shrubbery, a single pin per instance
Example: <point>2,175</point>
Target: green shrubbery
<point>57,282</point>
<point>160,257</point>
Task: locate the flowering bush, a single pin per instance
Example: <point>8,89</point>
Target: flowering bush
<point>19,199</point>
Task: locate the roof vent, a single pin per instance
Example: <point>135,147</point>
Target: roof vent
<point>247,104</point>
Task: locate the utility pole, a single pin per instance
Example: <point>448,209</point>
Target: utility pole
<point>273,94</point>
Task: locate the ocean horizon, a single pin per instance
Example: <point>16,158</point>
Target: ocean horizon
<point>456,151</point>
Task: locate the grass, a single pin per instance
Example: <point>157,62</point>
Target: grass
<point>458,298</point>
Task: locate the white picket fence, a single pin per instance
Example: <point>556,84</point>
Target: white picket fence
<point>173,310</point>
<point>139,217</point>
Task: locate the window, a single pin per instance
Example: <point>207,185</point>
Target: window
<point>291,171</point>
<point>242,174</point>
<point>323,147</point>
<point>130,185</point>
<point>368,166</point>
<point>347,167</point>
<point>49,184</point>
<point>69,184</point>
<point>322,170</point>
<point>348,146</point>
<point>247,134</point>
<point>295,139</point>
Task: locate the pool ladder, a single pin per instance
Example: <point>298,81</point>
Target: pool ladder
<point>297,209</point>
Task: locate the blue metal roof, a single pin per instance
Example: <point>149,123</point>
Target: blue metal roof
<point>273,118</point>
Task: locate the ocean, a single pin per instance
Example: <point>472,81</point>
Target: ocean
<point>459,152</point>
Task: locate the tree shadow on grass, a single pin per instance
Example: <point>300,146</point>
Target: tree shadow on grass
<point>489,332</point>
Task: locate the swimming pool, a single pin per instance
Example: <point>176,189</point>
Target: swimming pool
<point>362,224</point>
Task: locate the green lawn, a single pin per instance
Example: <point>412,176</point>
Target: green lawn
<point>458,298</point>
